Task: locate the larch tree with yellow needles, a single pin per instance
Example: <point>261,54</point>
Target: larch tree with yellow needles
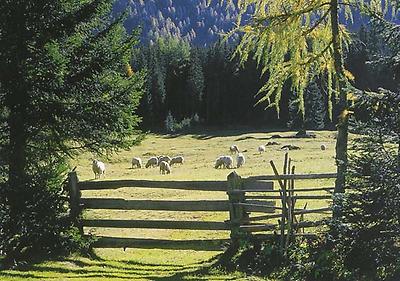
<point>298,41</point>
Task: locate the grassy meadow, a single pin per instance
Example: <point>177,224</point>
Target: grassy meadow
<point>200,152</point>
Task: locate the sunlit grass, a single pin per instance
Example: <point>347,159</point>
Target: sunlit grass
<point>200,152</point>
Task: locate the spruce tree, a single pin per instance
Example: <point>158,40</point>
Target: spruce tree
<point>369,232</point>
<point>65,85</point>
<point>195,81</point>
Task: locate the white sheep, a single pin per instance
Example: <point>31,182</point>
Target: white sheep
<point>152,162</point>
<point>240,160</point>
<point>177,160</point>
<point>224,161</point>
<point>165,168</point>
<point>228,162</point>
<point>99,168</point>
<point>136,161</point>
<point>323,147</point>
<point>219,162</point>
<point>234,149</point>
<point>261,149</point>
<point>164,158</point>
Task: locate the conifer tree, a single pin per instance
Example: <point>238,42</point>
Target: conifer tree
<point>65,85</point>
<point>370,229</point>
<point>195,83</point>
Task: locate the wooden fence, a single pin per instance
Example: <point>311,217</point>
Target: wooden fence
<point>288,220</point>
<point>246,196</point>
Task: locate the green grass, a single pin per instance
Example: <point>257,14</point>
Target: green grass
<point>200,152</point>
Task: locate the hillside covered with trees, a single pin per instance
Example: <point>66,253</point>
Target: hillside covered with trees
<point>186,81</point>
<point>190,20</point>
<point>200,22</point>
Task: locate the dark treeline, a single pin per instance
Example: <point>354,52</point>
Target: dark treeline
<point>184,81</point>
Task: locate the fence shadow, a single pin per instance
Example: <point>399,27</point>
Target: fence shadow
<point>166,244</point>
<point>100,268</point>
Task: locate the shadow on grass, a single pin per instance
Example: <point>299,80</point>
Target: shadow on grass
<point>207,135</point>
<point>210,133</point>
<point>130,270</point>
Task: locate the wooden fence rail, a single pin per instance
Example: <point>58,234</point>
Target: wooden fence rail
<point>158,224</point>
<point>327,189</point>
<point>182,185</point>
<point>143,243</point>
<point>296,177</point>
<point>156,205</point>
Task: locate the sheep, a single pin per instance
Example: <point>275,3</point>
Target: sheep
<point>234,149</point>
<point>164,158</point>
<point>224,161</point>
<point>240,160</point>
<point>152,162</point>
<point>228,160</point>
<point>177,160</point>
<point>165,168</point>
<point>261,149</point>
<point>99,168</point>
<point>136,161</point>
<point>219,162</point>
<point>323,147</point>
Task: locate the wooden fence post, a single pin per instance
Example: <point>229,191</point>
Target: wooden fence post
<point>236,211</point>
<point>74,200</point>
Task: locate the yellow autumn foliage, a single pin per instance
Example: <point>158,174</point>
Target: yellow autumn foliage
<point>129,70</point>
<point>293,40</point>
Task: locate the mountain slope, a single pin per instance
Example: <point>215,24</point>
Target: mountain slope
<point>192,20</point>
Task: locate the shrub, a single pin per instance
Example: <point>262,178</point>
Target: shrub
<point>172,126</point>
<point>40,226</point>
<point>170,123</point>
<point>368,233</point>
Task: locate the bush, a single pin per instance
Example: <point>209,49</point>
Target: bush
<point>40,226</point>
<point>170,123</point>
<point>172,126</point>
<point>368,233</point>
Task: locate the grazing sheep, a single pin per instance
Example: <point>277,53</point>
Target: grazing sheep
<point>165,168</point>
<point>224,161</point>
<point>136,161</point>
<point>234,149</point>
<point>240,160</point>
<point>323,147</point>
<point>261,149</point>
<point>99,168</point>
<point>164,158</point>
<point>152,162</point>
<point>219,162</point>
<point>177,160</point>
<point>228,160</point>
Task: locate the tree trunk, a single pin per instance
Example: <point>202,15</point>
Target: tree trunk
<point>15,192</point>
<point>398,155</point>
<point>17,152</point>
<point>342,127</point>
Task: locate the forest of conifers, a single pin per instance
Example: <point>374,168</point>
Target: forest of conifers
<point>185,80</point>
